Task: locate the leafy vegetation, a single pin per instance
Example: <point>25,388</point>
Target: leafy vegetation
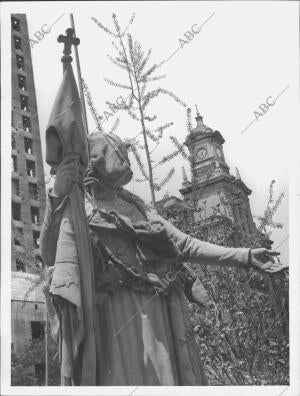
<point>243,335</point>
<point>29,369</point>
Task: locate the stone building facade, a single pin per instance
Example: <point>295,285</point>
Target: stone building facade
<point>175,210</point>
<point>213,193</point>
<point>28,185</point>
<point>213,189</point>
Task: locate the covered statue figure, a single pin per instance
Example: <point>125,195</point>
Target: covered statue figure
<point>122,319</point>
<point>139,278</point>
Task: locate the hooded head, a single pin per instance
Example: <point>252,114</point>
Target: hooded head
<point>109,162</point>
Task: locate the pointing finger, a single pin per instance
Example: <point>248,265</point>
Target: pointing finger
<point>272,252</point>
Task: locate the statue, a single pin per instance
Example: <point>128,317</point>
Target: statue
<point>139,278</point>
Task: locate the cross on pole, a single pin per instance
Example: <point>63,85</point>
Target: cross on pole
<point>68,41</point>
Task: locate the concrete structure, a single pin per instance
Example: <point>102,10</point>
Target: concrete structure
<point>213,188</point>
<point>28,312</point>
<point>28,187</point>
<point>28,318</point>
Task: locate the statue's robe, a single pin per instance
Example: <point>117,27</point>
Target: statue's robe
<point>142,331</point>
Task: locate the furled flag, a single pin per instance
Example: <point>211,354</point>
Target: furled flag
<point>71,253</point>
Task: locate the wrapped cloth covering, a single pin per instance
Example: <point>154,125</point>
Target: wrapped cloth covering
<point>65,136</point>
<point>109,160</point>
<point>144,336</point>
<point>65,132</point>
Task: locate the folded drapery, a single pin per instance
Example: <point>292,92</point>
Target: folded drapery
<point>65,136</point>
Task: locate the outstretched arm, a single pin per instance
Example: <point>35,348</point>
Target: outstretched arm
<point>197,251</point>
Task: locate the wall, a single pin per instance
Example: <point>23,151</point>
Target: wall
<point>21,316</point>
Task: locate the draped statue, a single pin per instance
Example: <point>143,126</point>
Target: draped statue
<point>137,313</point>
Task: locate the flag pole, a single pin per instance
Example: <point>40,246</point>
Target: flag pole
<point>79,79</point>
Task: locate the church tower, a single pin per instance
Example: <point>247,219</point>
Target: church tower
<point>213,188</point>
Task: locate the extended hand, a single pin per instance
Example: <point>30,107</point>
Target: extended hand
<point>264,260</point>
<point>67,173</point>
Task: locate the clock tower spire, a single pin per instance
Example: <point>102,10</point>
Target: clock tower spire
<point>212,180</point>
<point>206,148</point>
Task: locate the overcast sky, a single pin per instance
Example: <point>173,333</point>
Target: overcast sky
<point>244,53</point>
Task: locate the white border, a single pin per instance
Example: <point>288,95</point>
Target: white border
<point>294,185</point>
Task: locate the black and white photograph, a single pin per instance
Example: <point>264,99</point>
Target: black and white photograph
<point>150,193</point>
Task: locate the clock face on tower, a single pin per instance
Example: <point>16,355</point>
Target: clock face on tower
<point>201,153</point>
<point>219,152</point>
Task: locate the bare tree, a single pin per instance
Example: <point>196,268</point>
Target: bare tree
<point>266,221</point>
<point>91,105</point>
<point>265,225</point>
<point>131,58</point>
